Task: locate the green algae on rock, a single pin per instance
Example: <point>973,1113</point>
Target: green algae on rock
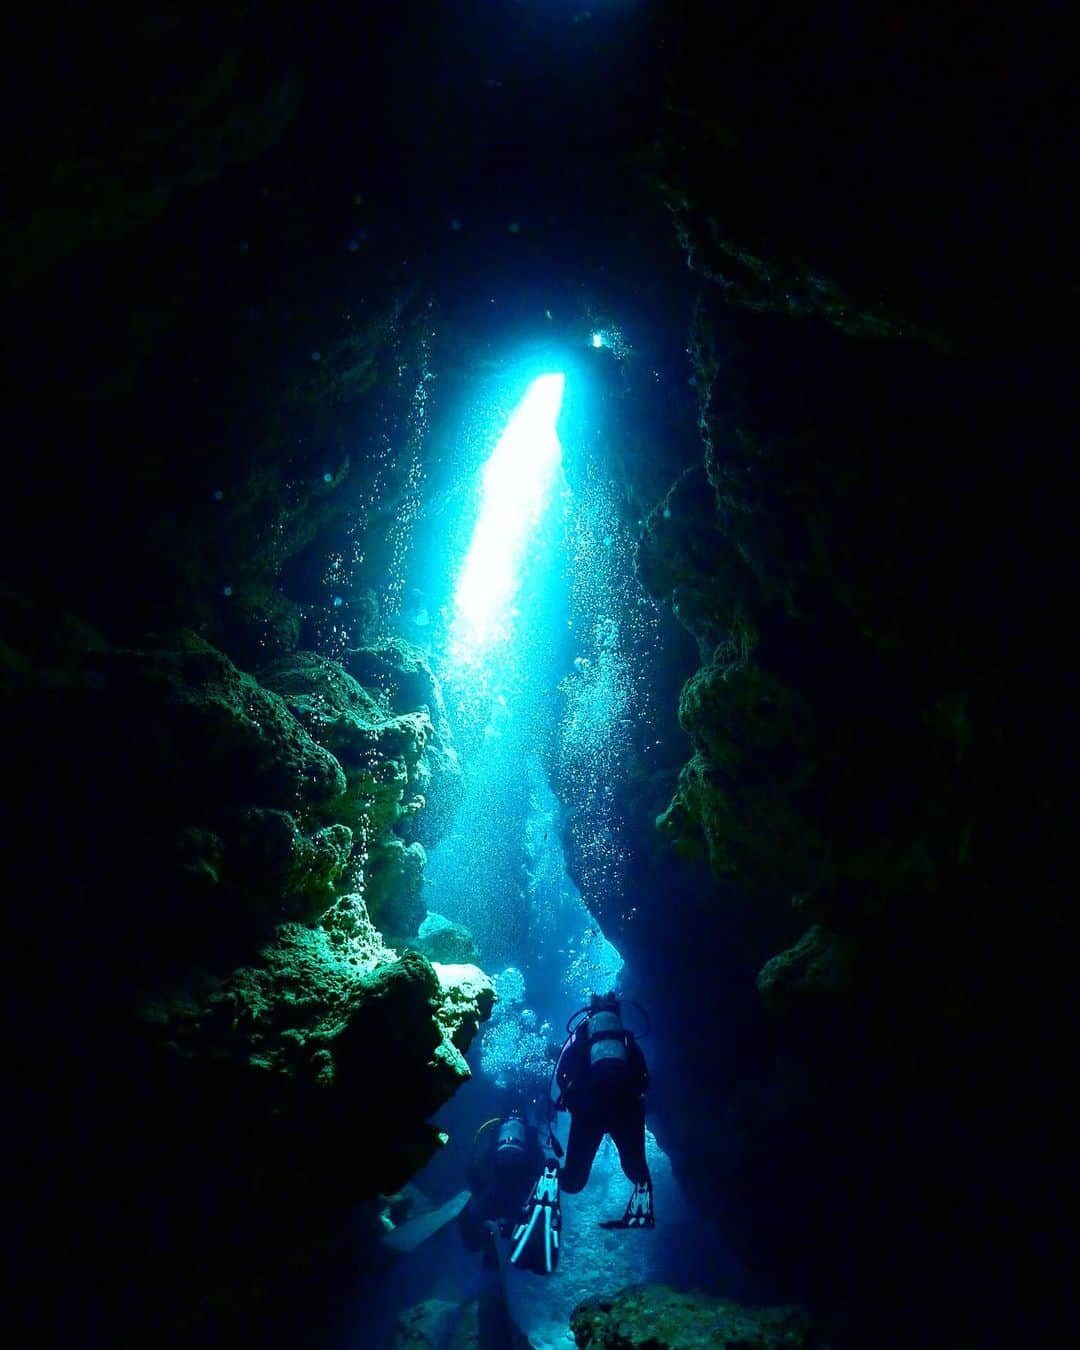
<point>818,969</point>
<point>440,939</point>
<point>249,744</point>
<point>401,675</point>
<point>755,761</point>
<point>276,857</point>
<point>388,758</point>
<point>360,728</point>
<point>261,1011</point>
<point>300,1012</point>
<point>657,1317</point>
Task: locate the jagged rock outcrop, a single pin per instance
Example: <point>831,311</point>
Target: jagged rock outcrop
<point>254,1010</point>
<point>656,1317</point>
<point>395,762</point>
<point>859,725</point>
<point>440,939</point>
<point>403,676</point>
<point>795,191</point>
<point>439,1324</point>
<point>313,1007</point>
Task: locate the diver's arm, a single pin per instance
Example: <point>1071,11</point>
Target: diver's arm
<point>568,1069</point>
<point>639,1067</point>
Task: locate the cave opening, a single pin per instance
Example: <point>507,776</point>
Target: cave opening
<point>528,608</point>
<point>743,691</point>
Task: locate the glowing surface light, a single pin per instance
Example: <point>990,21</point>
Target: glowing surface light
<point>516,484</point>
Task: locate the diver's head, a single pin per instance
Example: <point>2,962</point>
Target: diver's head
<point>608,1002</point>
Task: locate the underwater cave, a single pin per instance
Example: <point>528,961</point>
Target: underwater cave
<point>535,552</point>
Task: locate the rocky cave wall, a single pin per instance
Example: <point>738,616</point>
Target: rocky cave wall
<point>870,826</point>
<point>867,835</point>
<point>225,1004</point>
<point>218,812</point>
<point>226,781</point>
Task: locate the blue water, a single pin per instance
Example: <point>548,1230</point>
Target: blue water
<point>548,705</point>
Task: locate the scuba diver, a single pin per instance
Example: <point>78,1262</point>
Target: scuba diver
<point>504,1162</point>
<point>505,1157</point>
<point>602,1078</point>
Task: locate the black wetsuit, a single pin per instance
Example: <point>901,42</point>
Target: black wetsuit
<point>606,1098</point>
<point>500,1186</point>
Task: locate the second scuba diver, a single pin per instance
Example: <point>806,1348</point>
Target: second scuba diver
<point>505,1159</point>
<point>602,1078</point>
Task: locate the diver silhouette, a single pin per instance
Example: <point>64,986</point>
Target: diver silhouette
<point>602,1079</point>
<point>505,1159</point>
<point>506,1154</point>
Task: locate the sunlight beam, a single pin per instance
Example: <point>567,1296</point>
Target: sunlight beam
<point>515,488</point>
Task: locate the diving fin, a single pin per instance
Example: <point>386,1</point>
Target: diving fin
<point>406,1237</point>
<point>535,1239</point>
<point>639,1211</point>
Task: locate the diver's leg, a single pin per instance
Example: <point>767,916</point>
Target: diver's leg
<point>586,1133</point>
<point>628,1132</point>
<point>474,1220</point>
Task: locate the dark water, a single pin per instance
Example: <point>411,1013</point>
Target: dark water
<point>193,248</point>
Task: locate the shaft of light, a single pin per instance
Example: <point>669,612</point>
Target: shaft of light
<point>515,487</point>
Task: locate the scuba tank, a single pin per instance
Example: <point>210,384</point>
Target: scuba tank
<point>512,1137</point>
<point>609,1051</point>
<point>508,1148</point>
<point>511,1143</point>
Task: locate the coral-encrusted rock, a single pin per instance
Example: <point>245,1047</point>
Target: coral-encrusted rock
<point>381,749</point>
<point>388,761</point>
<point>314,1010</point>
<point>818,969</point>
<point>873,783</point>
<point>684,553</point>
<point>276,857</point>
<point>425,1325</point>
<point>401,674</point>
<point>393,887</point>
<point>305,1081</point>
<point>755,758</point>
<point>320,692</point>
<point>467,999</point>
<point>262,1041</point>
<point>656,1317</point>
<point>440,939</point>
<point>231,736</point>
<point>437,1324</point>
<point>262,622</point>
